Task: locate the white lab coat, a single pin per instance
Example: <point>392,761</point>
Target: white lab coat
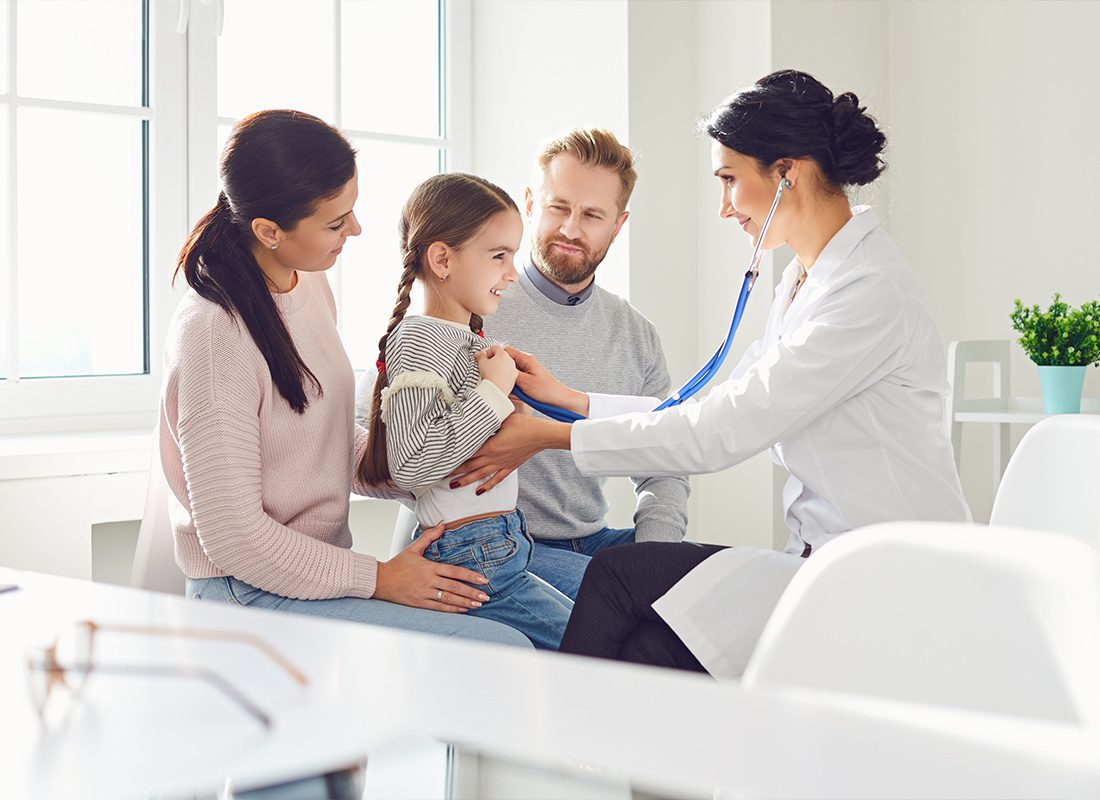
<point>847,389</point>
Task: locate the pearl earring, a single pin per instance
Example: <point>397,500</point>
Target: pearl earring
<point>275,246</point>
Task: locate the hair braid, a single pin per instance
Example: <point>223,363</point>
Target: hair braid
<point>374,468</point>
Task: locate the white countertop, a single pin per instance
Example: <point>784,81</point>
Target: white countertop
<point>674,732</point>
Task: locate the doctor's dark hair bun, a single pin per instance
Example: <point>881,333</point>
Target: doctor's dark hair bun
<point>791,114</point>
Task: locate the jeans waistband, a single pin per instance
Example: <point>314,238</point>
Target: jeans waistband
<point>511,522</point>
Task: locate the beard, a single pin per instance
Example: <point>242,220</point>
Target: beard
<point>569,270</point>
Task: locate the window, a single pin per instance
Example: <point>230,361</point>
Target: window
<point>83,134</point>
<point>377,69</point>
<point>80,137</point>
<point>112,116</point>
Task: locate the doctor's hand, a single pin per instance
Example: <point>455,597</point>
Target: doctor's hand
<point>413,580</point>
<point>520,436</point>
<point>537,382</point>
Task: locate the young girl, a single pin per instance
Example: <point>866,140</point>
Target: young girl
<point>442,390</point>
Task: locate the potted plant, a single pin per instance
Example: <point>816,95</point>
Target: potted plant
<point>1062,342</point>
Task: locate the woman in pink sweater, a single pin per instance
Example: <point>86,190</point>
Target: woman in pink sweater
<point>257,431</point>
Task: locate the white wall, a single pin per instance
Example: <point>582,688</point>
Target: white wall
<point>539,68</point>
<point>733,49</point>
<point>994,161</point>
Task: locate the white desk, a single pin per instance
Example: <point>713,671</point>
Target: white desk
<point>668,732</point>
<point>1021,411</point>
<point>1017,411</point>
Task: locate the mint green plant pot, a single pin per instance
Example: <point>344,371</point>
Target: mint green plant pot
<point>1062,389</point>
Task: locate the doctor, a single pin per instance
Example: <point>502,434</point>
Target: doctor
<point>846,389</point>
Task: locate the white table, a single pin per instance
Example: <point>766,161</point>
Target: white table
<point>1017,411</point>
<point>1021,411</point>
<point>667,732</point>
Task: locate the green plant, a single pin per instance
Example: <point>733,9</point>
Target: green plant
<point>1059,336</point>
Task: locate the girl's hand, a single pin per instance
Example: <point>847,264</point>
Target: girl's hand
<point>535,381</point>
<point>520,436</point>
<point>497,366</point>
<point>412,580</point>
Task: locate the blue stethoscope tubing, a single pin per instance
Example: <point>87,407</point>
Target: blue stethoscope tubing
<point>711,368</point>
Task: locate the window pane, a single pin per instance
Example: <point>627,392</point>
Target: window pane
<point>5,14</point>
<point>372,265</point>
<point>277,54</point>
<point>390,66</point>
<point>81,244</point>
<point>5,238</point>
<point>83,50</point>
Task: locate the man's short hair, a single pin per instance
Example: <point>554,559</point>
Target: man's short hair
<point>594,147</point>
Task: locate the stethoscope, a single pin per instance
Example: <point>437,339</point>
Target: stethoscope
<point>710,369</point>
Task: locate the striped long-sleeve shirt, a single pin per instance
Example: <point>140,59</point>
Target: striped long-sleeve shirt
<point>438,412</point>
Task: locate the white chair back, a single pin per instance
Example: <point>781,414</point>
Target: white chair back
<point>959,356</point>
<point>154,558</point>
<point>1003,621</point>
<point>1051,479</point>
<point>403,530</point>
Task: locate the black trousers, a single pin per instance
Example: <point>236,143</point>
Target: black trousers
<point>613,616</point>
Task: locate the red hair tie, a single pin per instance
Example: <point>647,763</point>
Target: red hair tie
<point>481,334</point>
<point>380,365</point>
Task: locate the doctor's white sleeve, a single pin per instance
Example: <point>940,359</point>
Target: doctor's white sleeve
<point>601,406</point>
<point>851,341</point>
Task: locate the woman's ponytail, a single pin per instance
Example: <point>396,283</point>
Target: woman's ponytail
<point>277,165</point>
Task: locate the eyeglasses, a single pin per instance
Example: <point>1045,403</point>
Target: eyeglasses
<point>69,660</point>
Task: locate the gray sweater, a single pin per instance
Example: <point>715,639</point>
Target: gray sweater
<point>602,345</point>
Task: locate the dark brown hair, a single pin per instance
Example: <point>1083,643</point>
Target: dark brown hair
<point>448,208</point>
<point>791,114</point>
<point>277,165</point>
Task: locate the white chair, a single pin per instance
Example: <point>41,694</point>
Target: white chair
<point>403,530</point>
<point>1002,621</point>
<point>959,356</point>
<point>1050,481</point>
<point>154,557</point>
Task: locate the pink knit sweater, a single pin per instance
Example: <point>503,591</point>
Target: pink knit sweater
<point>260,492</point>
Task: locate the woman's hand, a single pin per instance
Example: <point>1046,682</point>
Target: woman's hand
<point>412,580</point>
<point>535,381</point>
<point>497,366</point>
<point>520,436</point>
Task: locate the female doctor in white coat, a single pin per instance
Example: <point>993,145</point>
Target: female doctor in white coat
<point>846,388</point>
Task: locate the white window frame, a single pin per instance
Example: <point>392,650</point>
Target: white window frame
<point>183,133</point>
<point>52,404</point>
<point>203,120</point>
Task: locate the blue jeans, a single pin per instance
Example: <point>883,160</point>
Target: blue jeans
<point>353,609</point>
<point>562,562</point>
<point>500,549</point>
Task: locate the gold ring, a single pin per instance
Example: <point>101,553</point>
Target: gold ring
<point>438,594</point>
